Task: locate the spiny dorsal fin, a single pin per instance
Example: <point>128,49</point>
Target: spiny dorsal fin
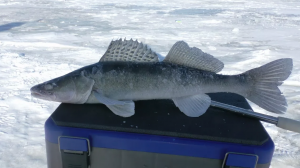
<point>182,54</point>
<point>129,50</point>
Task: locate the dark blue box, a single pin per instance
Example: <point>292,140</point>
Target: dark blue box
<point>157,136</point>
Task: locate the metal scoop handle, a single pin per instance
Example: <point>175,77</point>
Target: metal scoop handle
<point>281,122</point>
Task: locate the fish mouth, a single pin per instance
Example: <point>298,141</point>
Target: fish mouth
<point>35,94</point>
<point>39,93</point>
<point>42,96</point>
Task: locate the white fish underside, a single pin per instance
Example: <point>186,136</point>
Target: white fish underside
<point>130,71</point>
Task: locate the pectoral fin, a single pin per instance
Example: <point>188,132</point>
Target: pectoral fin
<point>125,110</point>
<point>120,108</point>
<point>193,106</point>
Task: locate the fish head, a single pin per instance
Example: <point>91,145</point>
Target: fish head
<point>60,89</point>
<point>74,87</point>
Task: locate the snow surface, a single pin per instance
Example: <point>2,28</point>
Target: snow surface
<point>43,39</point>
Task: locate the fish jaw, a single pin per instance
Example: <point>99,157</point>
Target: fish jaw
<point>74,87</point>
<point>39,92</point>
<point>61,89</point>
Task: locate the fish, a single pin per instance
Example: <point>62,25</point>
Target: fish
<point>130,71</point>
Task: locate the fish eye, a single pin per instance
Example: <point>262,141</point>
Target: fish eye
<point>48,86</point>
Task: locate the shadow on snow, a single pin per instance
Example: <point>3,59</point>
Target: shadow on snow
<point>10,26</point>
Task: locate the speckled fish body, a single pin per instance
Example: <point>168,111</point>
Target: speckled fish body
<point>159,80</point>
<point>130,71</point>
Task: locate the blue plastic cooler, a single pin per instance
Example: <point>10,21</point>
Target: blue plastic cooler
<point>157,136</point>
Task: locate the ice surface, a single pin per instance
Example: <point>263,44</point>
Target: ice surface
<point>43,39</point>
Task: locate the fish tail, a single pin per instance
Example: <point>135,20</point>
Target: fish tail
<point>264,82</point>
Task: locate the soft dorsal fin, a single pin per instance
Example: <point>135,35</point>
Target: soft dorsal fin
<point>182,54</point>
<point>129,50</point>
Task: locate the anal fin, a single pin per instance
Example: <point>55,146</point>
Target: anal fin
<point>193,106</point>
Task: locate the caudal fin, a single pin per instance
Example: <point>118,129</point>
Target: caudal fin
<point>264,90</point>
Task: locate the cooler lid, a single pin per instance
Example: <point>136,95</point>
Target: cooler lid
<point>162,117</point>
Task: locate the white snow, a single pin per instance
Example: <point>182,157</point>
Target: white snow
<point>43,39</point>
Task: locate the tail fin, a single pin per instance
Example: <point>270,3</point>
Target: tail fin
<point>266,79</point>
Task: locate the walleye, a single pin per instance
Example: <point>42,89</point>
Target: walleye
<point>130,71</point>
